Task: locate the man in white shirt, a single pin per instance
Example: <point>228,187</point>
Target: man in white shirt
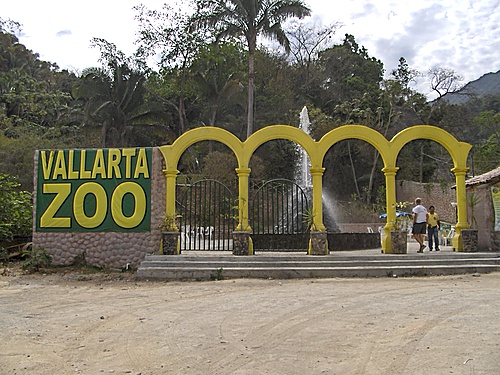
<point>419,223</point>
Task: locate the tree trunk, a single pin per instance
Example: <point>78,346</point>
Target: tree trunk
<point>422,163</point>
<point>182,108</point>
<point>372,176</point>
<point>353,169</point>
<point>251,89</point>
<point>104,133</point>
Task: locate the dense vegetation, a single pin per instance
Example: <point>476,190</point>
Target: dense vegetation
<point>210,73</point>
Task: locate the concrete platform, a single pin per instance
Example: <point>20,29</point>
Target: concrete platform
<point>210,265</point>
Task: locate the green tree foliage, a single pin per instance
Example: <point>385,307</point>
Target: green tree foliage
<point>217,75</point>
<point>275,101</point>
<point>16,212</point>
<point>33,93</point>
<point>248,19</point>
<point>170,33</point>
<point>487,154</point>
<point>36,108</point>
<point>199,82</point>
<point>113,96</point>
<point>342,73</point>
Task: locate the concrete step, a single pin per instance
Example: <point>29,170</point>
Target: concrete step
<point>215,266</point>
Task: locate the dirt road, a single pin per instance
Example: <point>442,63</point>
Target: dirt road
<point>94,324</point>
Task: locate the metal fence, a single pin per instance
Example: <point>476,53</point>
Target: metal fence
<point>277,212</point>
<point>207,216</point>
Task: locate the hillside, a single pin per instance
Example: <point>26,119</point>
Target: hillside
<point>488,84</point>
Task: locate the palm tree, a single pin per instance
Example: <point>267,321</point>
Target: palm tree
<point>249,18</point>
<point>216,75</point>
<point>113,97</point>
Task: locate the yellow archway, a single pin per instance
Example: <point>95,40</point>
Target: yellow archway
<point>389,151</point>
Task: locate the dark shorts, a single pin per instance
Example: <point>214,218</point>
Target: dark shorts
<point>419,228</point>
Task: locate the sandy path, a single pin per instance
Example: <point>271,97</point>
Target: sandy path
<point>57,324</point>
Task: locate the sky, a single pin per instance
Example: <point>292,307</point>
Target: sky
<point>453,34</point>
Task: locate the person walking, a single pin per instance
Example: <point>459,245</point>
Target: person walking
<point>433,227</point>
<point>419,223</point>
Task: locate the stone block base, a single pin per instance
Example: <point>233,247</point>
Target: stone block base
<point>170,242</point>
<point>241,243</point>
<point>469,240</point>
<point>399,240</point>
<point>319,243</point>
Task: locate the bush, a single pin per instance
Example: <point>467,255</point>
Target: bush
<point>34,259</point>
<point>16,215</point>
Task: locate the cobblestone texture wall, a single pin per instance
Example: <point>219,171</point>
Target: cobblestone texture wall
<point>482,218</point>
<point>432,194</point>
<point>110,249</point>
<point>441,197</point>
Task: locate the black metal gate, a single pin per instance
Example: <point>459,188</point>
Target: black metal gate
<point>207,216</point>
<point>277,217</point>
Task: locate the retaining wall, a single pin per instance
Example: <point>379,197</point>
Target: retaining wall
<point>109,249</point>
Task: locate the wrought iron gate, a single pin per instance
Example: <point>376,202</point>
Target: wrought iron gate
<point>207,216</point>
<point>277,217</point>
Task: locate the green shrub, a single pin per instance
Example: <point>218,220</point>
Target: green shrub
<point>16,209</point>
<point>35,258</point>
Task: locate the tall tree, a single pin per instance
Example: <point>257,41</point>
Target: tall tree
<point>307,40</point>
<point>444,80</point>
<point>170,34</point>
<point>216,74</point>
<point>249,18</point>
<point>343,73</point>
<point>114,95</point>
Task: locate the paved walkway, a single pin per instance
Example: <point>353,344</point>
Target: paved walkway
<point>412,249</point>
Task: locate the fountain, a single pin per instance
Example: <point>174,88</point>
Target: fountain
<point>303,179</point>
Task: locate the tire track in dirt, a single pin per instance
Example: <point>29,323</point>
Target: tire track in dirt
<point>268,336</point>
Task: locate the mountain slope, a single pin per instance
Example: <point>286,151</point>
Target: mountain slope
<point>488,84</point>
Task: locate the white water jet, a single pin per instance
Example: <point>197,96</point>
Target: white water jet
<point>304,180</point>
<point>303,175</point>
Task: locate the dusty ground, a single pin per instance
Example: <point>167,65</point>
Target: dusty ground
<point>74,323</point>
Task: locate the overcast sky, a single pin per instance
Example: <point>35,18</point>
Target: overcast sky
<point>456,34</point>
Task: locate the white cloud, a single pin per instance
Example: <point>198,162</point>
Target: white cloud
<point>457,34</point>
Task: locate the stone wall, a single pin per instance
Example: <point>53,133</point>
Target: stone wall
<point>361,227</point>
<point>109,249</point>
<point>353,241</point>
<point>482,217</point>
<point>433,194</point>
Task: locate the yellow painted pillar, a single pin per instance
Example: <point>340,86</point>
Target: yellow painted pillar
<point>461,208</point>
<point>317,197</point>
<point>390,199</point>
<point>243,224</point>
<point>170,180</point>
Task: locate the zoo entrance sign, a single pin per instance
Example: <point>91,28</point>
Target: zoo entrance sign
<point>100,190</point>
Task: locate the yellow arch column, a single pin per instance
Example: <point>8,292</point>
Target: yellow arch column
<point>243,224</point>
<point>317,197</point>
<point>170,180</point>
<point>390,199</point>
<point>242,241</point>
<point>461,207</point>
<point>170,191</point>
